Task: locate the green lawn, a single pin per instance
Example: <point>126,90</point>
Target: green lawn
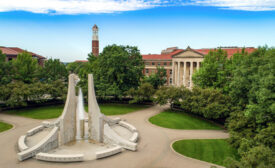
<point>4,126</point>
<point>49,112</point>
<point>116,109</point>
<point>180,120</point>
<point>209,150</point>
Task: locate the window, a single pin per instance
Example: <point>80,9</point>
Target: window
<point>170,81</point>
<point>153,63</point>
<point>147,63</point>
<point>159,64</point>
<point>165,63</point>
<point>147,71</point>
<point>171,72</point>
<point>153,71</point>
<point>10,59</point>
<point>171,63</point>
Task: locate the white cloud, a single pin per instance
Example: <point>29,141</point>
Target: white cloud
<point>246,5</point>
<point>110,6</point>
<point>76,6</point>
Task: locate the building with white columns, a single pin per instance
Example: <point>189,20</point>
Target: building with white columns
<point>181,64</point>
<point>184,65</point>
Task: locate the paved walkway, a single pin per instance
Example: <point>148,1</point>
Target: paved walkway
<point>154,149</point>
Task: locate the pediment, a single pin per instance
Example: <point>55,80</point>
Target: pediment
<point>189,54</point>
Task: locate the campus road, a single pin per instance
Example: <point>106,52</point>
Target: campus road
<point>154,145</point>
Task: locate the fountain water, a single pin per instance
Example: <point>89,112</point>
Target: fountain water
<point>80,117</point>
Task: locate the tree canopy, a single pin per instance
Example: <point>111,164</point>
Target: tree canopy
<point>5,70</point>
<point>22,80</point>
<point>249,81</point>
<point>115,70</point>
<point>157,79</point>
<point>24,67</point>
<point>54,70</point>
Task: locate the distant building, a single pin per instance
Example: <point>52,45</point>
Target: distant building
<point>81,61</point>
<point>181,64</point>
<point>12,52</point>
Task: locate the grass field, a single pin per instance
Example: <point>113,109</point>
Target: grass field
<point>49,112</point>
<point>209,150</point>
<point>4,126</point>
<point>180,120</point>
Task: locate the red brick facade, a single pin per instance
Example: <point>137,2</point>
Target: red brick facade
<point>95,47</point>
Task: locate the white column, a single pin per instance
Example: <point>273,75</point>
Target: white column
<point>191,73</point>
<point>173,73</point>
<point>184,73</point>
<point>178,77</point>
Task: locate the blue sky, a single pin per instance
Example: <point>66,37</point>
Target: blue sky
<point>65,32</point>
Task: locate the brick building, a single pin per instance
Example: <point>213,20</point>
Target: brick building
<point>181,64</point>
<point>12,52</point>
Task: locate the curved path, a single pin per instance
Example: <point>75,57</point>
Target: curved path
<point>154,149</point>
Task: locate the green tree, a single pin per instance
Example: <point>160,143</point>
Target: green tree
<point>115,70</point>
<point>143,94</point>
<point>171,95</point>
<point>74,67</point>
<point>56,90</point>
<point>209,103</point>
<point>214,72</point>
<point>25,67</point>
<point>252,89</point>
<point>5,73</point>
<point>54,70</point>
<point>157,79</point>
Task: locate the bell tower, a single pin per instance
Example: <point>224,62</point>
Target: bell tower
<point>95,42</point>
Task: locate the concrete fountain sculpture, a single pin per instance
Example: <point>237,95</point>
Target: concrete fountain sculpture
<point>76,136</point>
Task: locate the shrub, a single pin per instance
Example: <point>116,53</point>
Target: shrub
<point>143,94</point>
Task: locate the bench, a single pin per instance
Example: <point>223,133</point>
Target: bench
<point>35,130</point>
<point>128,126</point>
<point>134,137</point>
<point>22,143</point>
<point>59,158</point>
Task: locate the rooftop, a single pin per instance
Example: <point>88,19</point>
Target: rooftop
<point>14,51</point>
<point>168,56</point>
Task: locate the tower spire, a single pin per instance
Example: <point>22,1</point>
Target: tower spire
<point>95,41</point>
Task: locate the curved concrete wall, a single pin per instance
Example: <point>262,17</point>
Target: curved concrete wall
<point>47,143</point>
<point>108,152</point>
<point>68,117</point>
<point>95,122</point>
<point>134,137</point>
<point>128,126</point>
<point>59,158</point>
<point>111,121</point>
<point>22,143</point>
<point>35,130</point>
<point>110,136</point>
